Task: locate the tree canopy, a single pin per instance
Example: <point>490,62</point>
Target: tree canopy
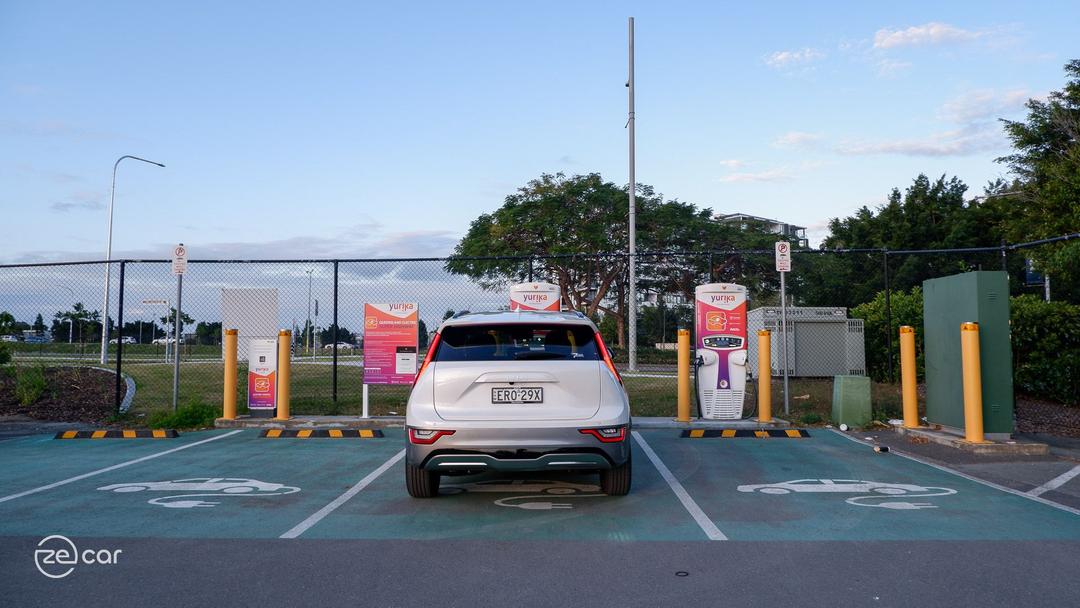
<point>1046,164</point>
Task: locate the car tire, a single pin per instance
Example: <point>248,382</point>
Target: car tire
<point>616,480</point>
<point>421,483</point>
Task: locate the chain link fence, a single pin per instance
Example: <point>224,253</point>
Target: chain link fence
<point>848,304</point>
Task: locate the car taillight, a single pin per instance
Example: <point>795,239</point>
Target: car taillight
<point>428,357</point>
<point>610,434</point>
<point>427,436</point>
<point>607,357</point>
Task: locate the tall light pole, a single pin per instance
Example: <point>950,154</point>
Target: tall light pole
<point>108,256</point>
<point>308,341</point>
<point>632,347</point>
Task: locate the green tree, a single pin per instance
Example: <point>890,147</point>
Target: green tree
<point>1046,164</point>
<point>170,320</point>
<point>929,214</point>
<point>7,323</point>
<point>208,333</point>
<point>568,229</point>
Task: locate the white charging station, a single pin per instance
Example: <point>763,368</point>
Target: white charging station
<point>535,296</point>
<point>720,334</point>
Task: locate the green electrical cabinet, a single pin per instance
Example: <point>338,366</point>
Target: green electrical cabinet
<point>982,297</point>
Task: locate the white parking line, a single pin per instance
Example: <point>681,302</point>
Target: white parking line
<point>114,467</point>
<point>707,526</point>
<point>988,484</point>
<point>316,517</point>
<point>1056,482</point>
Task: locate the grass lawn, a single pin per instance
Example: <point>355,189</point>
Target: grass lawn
<point>811,398</point>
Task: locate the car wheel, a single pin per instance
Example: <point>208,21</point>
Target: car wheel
<point>421,483</point>
<point>616,480</point>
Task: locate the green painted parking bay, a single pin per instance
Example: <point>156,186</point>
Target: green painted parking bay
<point>829,487</point>
<point>238,486</point>
<point>233,484</point>
<point>537,507</point>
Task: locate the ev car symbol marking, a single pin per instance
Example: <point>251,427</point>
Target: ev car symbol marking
<point>201,487</point>
<point>539,493</point>
<point>874,493</point>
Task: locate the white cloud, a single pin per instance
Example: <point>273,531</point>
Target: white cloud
<point>788,59</point>
<point>779,174</point>
<point>982,104</point>
<point>891,67</point>
<point>359,241</point>
<point>795,139</point>
<point>79,201</point>
<point>964,141</point>
<point>731,163</point>
<point>919,35</point>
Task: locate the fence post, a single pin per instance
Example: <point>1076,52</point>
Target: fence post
<point>228,406</point>
<point>119,337</point>
<point>972,369</point>
<point>335,332</point>
<point>907,377</point>
<point>888,313</point>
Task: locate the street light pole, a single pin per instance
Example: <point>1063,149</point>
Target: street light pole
<point>632,346</point>
<point>108,256</point>
<point>307,342</point>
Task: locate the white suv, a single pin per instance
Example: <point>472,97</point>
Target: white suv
<point>517,391</point>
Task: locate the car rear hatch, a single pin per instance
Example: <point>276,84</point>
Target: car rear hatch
<point>518,372</point>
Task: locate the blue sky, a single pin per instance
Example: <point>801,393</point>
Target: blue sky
<point>383,129</point>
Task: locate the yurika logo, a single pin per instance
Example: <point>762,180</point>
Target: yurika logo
<point>402,306</point>
<point>725,298</point>
<point>536,297</point>
<point>56,556</point>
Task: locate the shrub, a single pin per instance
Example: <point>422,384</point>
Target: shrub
<point>907,309</point>
<point>1046,348</point>
<point>5,354</point>
<point>193,415</point>
<point>30,384</point>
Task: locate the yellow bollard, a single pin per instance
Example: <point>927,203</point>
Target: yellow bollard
<point>907,377</point>
<point>284,354</point>
<point>684,376</point>
<point>764,375</point>
<point>969,352</point>
<point>229,401</point>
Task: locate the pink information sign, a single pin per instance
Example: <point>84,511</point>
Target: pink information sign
<point>390,342</point>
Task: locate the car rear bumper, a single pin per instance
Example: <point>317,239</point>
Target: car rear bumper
<point>519,449</point>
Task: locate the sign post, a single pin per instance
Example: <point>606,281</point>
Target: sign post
<point>390,344</point>
<point>179,267</point>
<point>783,266</point>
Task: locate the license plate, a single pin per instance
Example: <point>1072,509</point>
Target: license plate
<point>517,395</point>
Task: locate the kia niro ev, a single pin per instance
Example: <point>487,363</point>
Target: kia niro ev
<point>514,392</point>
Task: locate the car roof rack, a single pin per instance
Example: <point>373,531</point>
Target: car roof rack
<point>460,313</point>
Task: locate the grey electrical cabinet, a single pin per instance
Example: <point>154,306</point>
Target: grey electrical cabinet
<point>822,342</point>
<point>981,297</point>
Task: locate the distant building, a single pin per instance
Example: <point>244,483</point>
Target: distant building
<point>744,220</point>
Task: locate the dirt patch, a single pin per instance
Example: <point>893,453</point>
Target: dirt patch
<point>1041,416</point>
<point>71,394</point>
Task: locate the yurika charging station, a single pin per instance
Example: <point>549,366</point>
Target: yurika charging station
<point>720,339</point>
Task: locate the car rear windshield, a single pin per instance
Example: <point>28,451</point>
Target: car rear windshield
<point>517,342</point>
